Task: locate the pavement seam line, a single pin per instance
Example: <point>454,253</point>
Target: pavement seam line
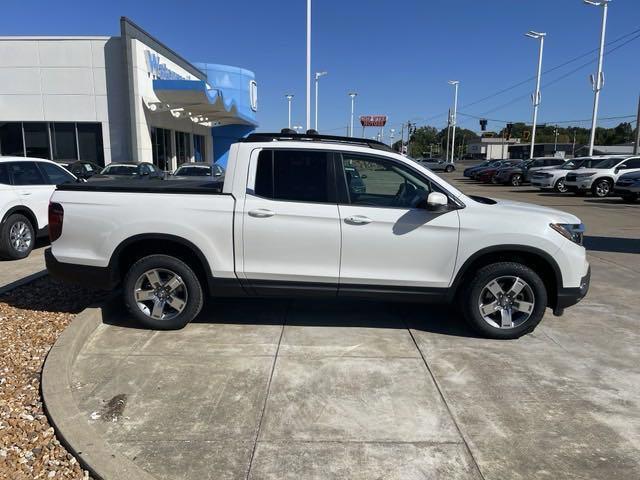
<point>446,404</point>
<point>266,397</point>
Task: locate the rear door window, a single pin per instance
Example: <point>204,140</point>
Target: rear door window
<point>294,175</point>
<point>4,174</point>
<point>26,173</point>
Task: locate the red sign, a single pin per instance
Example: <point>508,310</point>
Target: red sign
<point>373,120</point>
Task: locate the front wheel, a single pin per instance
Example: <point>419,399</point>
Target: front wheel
<point>504,300</point>
<point>601,188</point>
<point>560,186</point>
<point>17,237</point>
<point>162,292</point>
<point>448,168</point>
<point>516,180</point>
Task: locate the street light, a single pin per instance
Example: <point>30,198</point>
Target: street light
<point>598,81</point>
<point>353,96</point>
<point>535,98</point>
<point>392,132</point>
<point>318,75</point>
<point>455,83</point>
<point>289,97</point>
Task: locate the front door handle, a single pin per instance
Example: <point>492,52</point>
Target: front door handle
<point>358,220</point>
<point>25,194</point>
<point>261,213</point>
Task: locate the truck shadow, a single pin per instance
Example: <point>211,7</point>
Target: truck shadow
<point>612,244</point>
<point>338,313</point>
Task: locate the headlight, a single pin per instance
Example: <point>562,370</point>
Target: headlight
<point>571,231</point>
<point>585,175</point>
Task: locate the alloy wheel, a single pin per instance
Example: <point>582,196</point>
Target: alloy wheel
<point>161,294</point>
<point>506,302</point>
<point>602,188</point>
<point>516,180</point>
<point>561,187</point>
<point>20,237</point>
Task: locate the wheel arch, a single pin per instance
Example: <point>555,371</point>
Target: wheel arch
<point>22,210</point>
<point>539,260</point>
<point>139,246</point>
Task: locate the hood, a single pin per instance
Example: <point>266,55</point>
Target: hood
<point>521,208</point>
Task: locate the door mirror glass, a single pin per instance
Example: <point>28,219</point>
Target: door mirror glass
<point>437,202</point>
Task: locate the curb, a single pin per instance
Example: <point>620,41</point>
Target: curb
<point>71,427</point>
<point>23,281</point>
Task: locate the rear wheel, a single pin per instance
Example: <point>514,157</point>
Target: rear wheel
<point>504,300</point>
<point>601,188</point>
<point>162,292</point>
<point>560,186</point>
<point>516,180</point>
<point>17,237</point>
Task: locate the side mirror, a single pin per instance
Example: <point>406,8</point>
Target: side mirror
<point>437,202</point>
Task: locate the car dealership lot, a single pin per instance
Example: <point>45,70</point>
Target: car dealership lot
<point>351,389</point>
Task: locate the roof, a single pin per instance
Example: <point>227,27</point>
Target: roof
<point>306,137</point>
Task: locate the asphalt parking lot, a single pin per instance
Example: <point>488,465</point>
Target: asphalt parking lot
<point>266,389</point>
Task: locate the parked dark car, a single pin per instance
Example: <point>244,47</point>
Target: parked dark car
<point>81,168</point>
<point>354,180</point>
<point>486,174</point>
<point>521,173</point>
<point>133,170</point>
<point>628,187</point>
<point>469,171</point>
<point>436,164</point>
<point>198,170</point>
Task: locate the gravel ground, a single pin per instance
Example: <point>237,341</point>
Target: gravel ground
<point>31,319</point>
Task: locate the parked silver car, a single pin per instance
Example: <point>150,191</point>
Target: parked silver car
<point>436,164</point>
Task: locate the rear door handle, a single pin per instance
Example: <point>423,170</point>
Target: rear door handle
<point>261,213</point>
<point>358,220</point>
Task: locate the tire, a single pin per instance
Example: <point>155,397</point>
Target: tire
<point>601,188</point>
<point>560,187</point>
<point>516,180</point>
<point>525,310</point>
<point>177,292</point>
<point>17,237</point>
<point>448,168</point>
<point>630,198</point>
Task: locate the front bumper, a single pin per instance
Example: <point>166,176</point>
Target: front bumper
<point>567,297</point>
<point>97,278</point>
<point>626,189</point>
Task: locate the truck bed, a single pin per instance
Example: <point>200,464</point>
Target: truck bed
<point>204,187</point>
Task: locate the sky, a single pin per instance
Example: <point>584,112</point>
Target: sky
<point>398,56</point>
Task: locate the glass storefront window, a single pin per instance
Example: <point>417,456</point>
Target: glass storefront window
<point>36,139</point>
<point>90,142</point>
<point>198,148</point>
<point>11,143</point>
<point>63,141</point>
<point>161,148</point>
<point>183,148</point>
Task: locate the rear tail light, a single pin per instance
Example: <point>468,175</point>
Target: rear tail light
<point>56,217</point>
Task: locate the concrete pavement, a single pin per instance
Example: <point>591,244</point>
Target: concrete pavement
<point>13,272</point>
<point>306,389</point>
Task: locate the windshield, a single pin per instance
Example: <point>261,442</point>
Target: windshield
<point>194,171</point>
<point>608,163</point>
<point>120,170</point>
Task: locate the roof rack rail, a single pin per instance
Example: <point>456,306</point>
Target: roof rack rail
<point>286,136</point>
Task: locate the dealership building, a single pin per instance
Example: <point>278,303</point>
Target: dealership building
<point>119,99</point>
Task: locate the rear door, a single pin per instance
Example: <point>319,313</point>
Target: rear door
<point>388,239</point>
<point>291,229</point>
<point>32,188</point>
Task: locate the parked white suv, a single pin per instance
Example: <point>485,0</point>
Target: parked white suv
<point>554,178</point>
<point>601,178</point>
<point>292,220</point>
<point>26,184</point>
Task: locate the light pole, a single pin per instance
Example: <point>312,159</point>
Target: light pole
<point>535,98</point>
<point>318,75</point>
<point>392,132</point>
<point>289,97</point>
<point>598,81</point>
<point>353,96</point>
<point>455,83</point>
<point>308,64</point>
<point>297,128</point>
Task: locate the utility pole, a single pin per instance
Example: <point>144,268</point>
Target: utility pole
<point>598,81</point>
<point>535,98</point>
<point>446,157</point>
<point>574,137</point>
<point>455,83</point>
<point>317,77</point>
<point>353,96</point>
<point>308,64</point>
<point>636,145</point>
<point>555,142</point>
<point>402,139</point>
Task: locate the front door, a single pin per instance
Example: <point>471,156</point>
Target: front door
<point>388,237</point>
<point>291,229</point>
<point>31,186</point>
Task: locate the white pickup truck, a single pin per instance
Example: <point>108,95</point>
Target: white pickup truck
<point>301,215</point>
